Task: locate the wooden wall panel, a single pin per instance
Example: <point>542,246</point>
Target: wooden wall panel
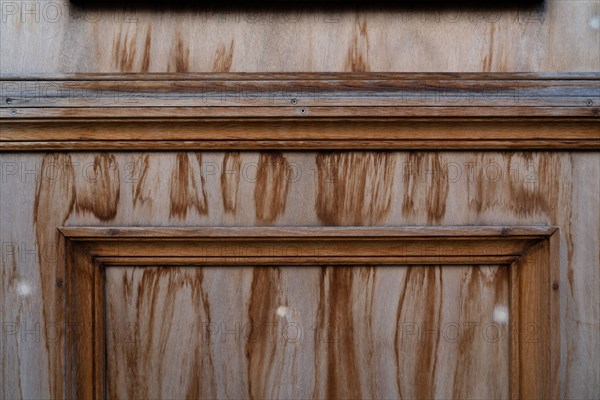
<point>308,332</point>
<point>383,188</point>
<point>41,192</point>
<point>40,36</point>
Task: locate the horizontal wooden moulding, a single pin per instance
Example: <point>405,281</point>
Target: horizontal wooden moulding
<point>300,111</point>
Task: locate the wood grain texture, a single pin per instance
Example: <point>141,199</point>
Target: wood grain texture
<point>308,111</point>
<point>492,188</point>
<point>350,358</point>
<point>300,90</point>
<point>560,36</point>
<point>527,233</point>
<point>483,188</point>
<point>292,333</point>
<point>308,145</point>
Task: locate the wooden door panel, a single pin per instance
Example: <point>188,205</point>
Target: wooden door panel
<point>194,114</point>
<point>560,189</point>
<point>386,312</point>
<point>304,332</point>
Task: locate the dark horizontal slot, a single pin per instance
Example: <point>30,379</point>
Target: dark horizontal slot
<point>312,5</point>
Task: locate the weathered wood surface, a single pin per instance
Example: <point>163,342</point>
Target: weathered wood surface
<point>458,232</point>
<point>240,332</point>
<point>559,36</point>
<point>83,93</point>
<point>407,134</point>
<point>528,252</point>
<point>41,192</point>
<point>564,36</point>
<point>306,111</point>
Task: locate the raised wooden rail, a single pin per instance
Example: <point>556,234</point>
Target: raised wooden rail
<point>300,111</point>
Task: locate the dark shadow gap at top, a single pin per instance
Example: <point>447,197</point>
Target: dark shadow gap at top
<point>311,5</point>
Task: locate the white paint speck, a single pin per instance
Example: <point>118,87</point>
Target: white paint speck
<point>594,22</point>
<point>23,289</point>
<point>501,314</point>
<point>282,311</point>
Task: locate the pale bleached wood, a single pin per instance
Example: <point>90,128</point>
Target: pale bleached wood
<point>279,77</point>
<point>322,96</point>
<point>310,90</point>
<point>561,36</point>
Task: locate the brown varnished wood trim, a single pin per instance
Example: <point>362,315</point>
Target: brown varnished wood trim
<point>530,251</point>
<point>553,310</point>
<point>312,145</point>
<point>515,339</point>
<point>265,261</point>
<point>362,232</point>
<point>300,111</point>
<point>535,324</point>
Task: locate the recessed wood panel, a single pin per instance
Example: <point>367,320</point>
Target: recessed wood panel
<point>373,305</point>
<point>307,332</point>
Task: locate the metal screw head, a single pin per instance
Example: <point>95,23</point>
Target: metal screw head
<point>13,112</point>
<point>294,101</point>
<point>303,111</point>
<point>589,102</point>
<point>8,100</point>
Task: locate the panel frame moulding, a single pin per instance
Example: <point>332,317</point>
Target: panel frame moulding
<point>530,253</point>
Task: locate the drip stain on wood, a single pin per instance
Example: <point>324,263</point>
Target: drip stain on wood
<point>188,186</point>
<point>354,188</point>
<point>224,58</point>
<point>425,186</point>
<point>151,296</point>
<point>141,190</point>
<point>147,47</point>
<point>524,183</point>
<point>99,188</point>
<point>358,54</point>
<point>489,58</point>
<point>420,304</point>
<point>125,51</point>
<point>272,186</point>
<point>475,282</point>
<point>230,181</point>
<point>260,350</point>
<point>340,372</point>
<point>180,56</point>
